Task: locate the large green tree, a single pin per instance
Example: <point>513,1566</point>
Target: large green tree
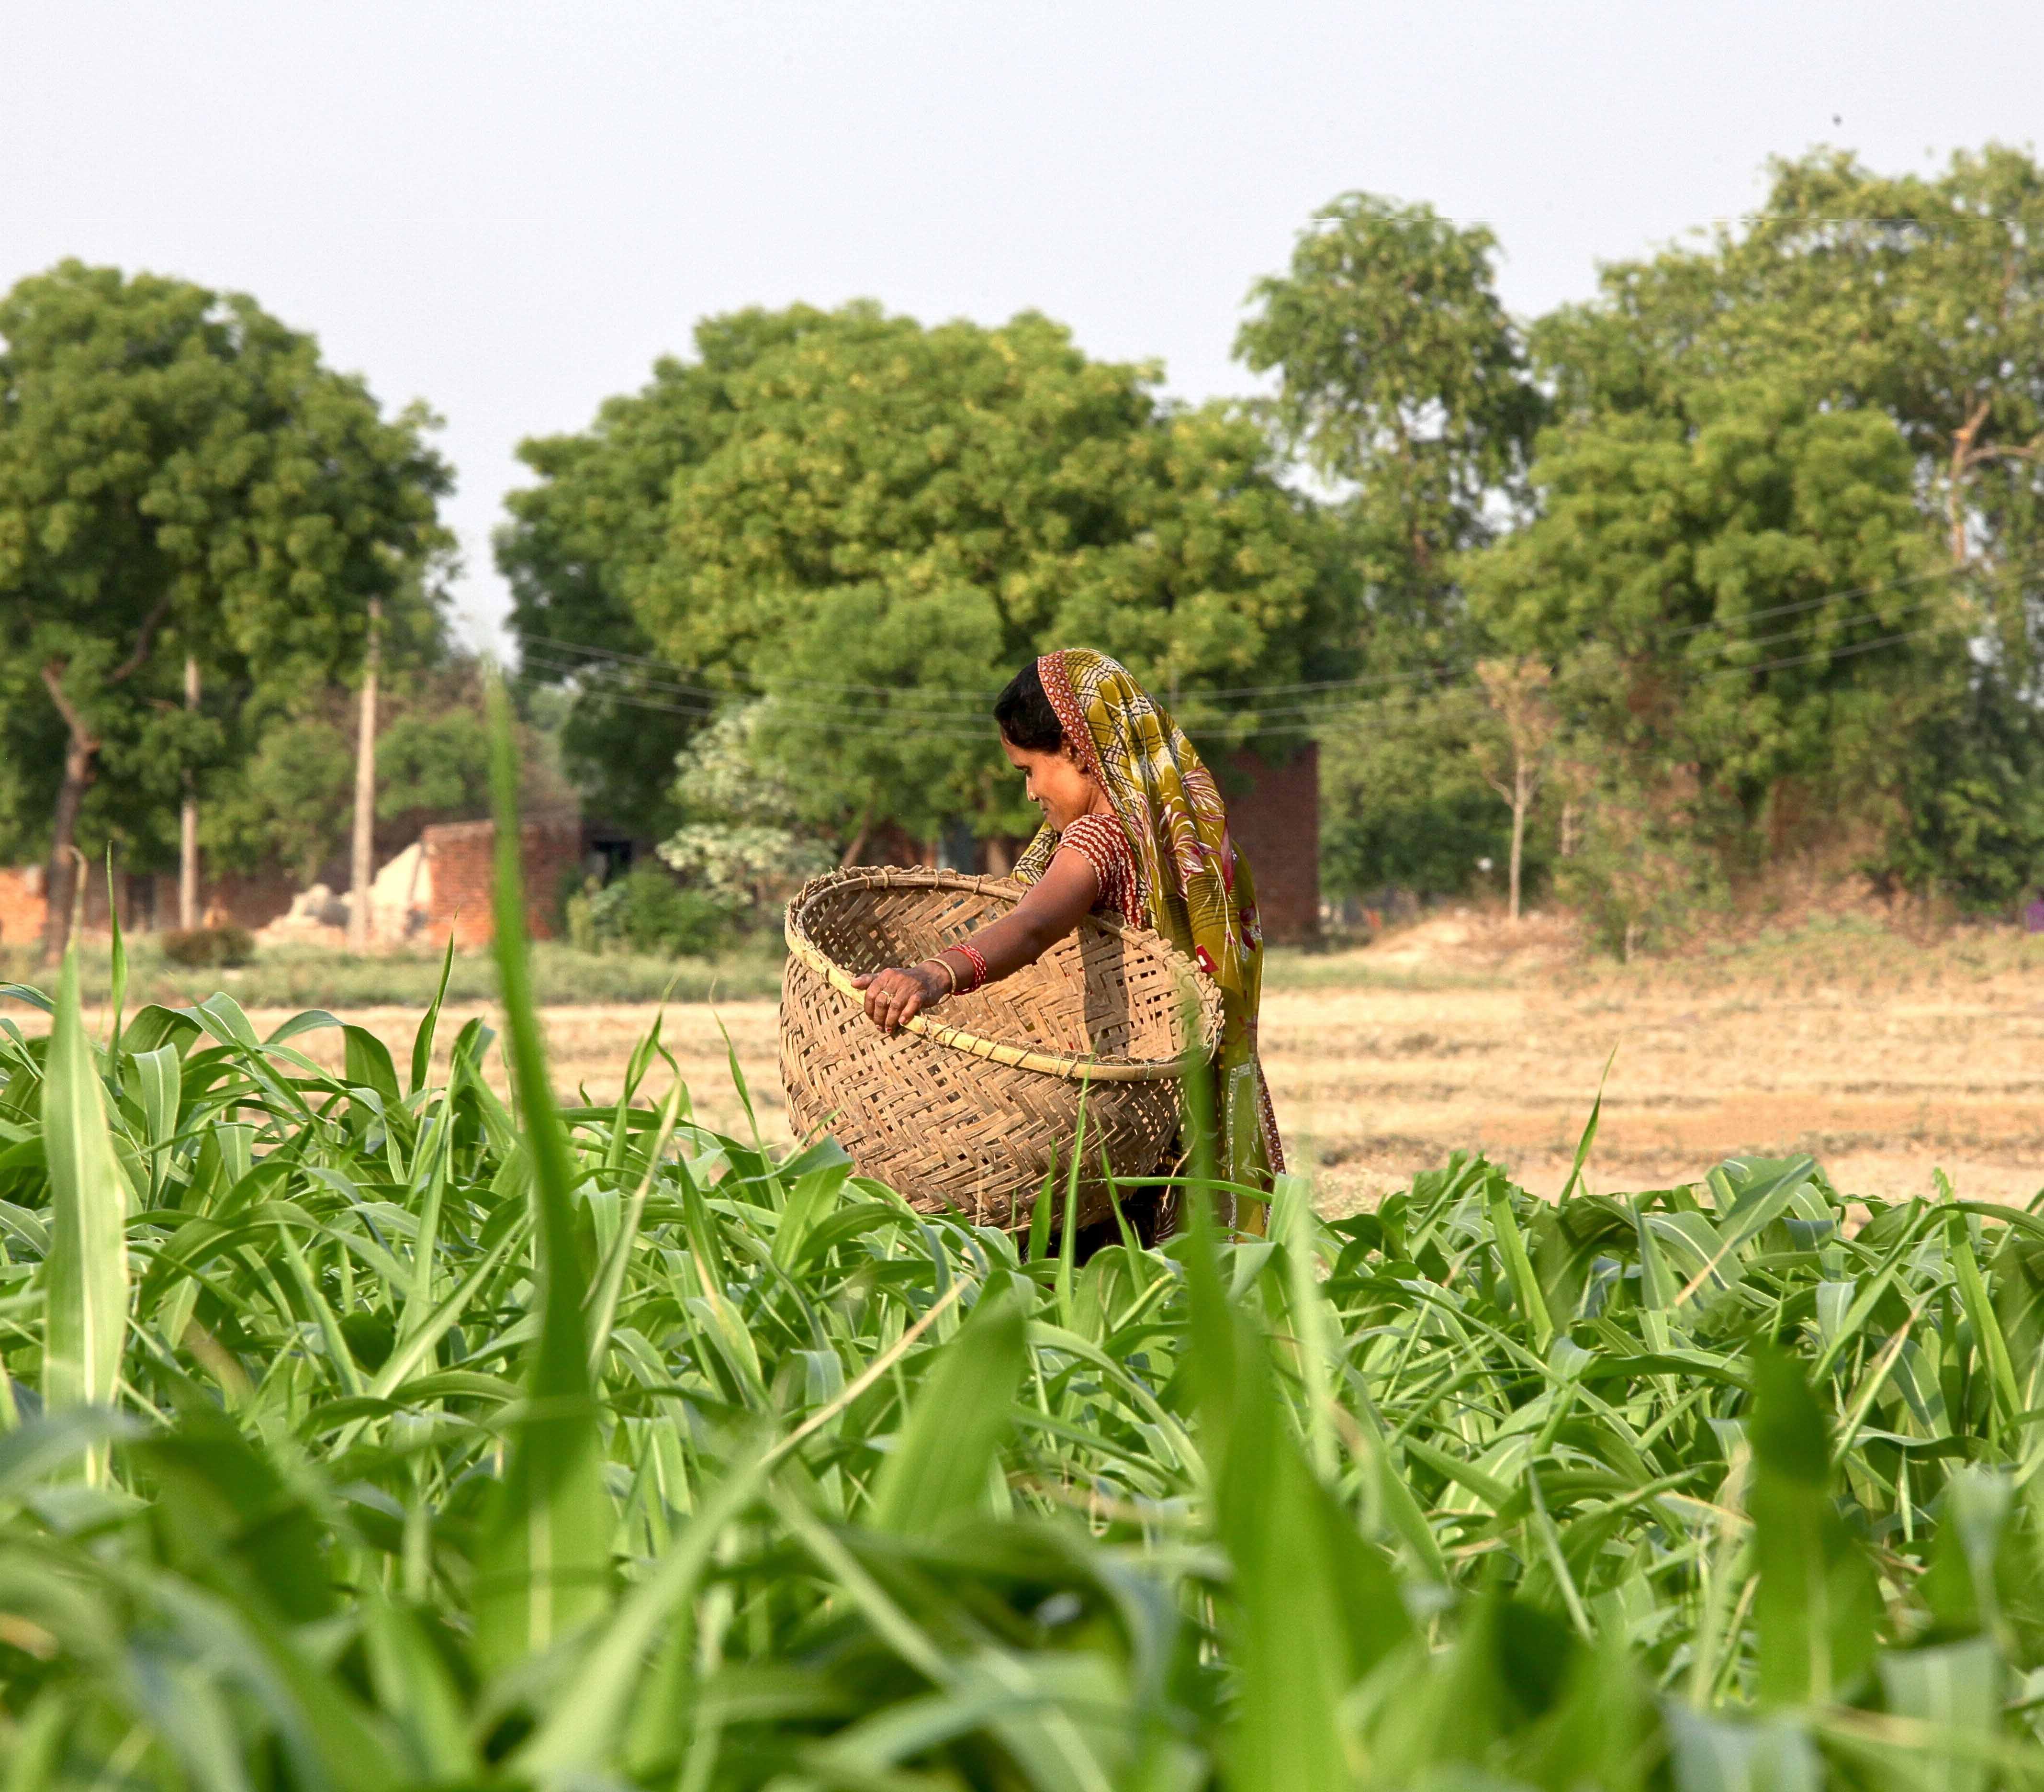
<point>872,522</point>
<point>1403,389</point>
<point>582,543</point>
<point>1402,392</point>
<point>1742,600</point>
<point>180,476</point>
<point>1918,300</point>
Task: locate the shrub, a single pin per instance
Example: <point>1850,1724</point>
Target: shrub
<point>646,911</point>
<point>198,947</point>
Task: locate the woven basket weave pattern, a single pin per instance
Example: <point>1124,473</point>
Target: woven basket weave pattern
<point>970,1110</point>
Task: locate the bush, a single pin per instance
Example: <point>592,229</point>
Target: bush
<point>647,910</point>
<point>197,948</point>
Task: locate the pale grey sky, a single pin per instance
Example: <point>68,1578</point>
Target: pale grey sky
<point>509,209</point>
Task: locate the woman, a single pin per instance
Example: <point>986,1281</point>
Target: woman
<point>1133,825</point>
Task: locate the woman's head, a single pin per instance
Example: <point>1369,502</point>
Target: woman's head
<point>1034,742</point>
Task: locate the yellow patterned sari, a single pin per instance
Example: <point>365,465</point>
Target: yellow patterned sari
<point>1196,887</point>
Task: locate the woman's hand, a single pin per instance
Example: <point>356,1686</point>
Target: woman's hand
<point>895,996</point>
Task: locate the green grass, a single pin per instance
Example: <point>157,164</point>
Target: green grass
<point>361,1432</point>
<point>296,976</point>
<point>835,1494</point>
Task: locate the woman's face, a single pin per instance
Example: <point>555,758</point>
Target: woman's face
<point>1054,783</point>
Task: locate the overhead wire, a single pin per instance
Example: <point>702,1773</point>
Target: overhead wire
<point>961,716</point>
<point>550,653</point>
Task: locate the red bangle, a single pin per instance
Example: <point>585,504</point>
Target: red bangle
<point>972,957</point>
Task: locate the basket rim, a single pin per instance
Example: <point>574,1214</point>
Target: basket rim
<point>1084,1066</point>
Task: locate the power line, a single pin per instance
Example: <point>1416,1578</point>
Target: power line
<point>933,713</point>
<point>959,704</point>
<point>933,696</point>
<point>1823,654</point>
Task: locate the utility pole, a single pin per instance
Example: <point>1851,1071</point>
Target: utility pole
<point>364,866</point>
<point>188,821</point>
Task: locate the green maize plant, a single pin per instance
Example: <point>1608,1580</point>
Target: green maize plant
<point>362,1430</point>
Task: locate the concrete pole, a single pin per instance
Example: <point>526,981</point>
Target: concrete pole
<point>364,866</point>
<point>188,912</point>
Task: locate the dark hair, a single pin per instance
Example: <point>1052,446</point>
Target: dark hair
<point>1025,714</point>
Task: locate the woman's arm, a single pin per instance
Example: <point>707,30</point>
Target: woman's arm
<point>1053,906</point>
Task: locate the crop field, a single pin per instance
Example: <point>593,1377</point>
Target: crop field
<point>365,1427</point>
<point>1887,1061</point>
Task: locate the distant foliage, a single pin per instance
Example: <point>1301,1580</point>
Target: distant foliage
<point>744,844</point>
<point>197,948</point>
<point>182,477</point>
<point>647,912</point>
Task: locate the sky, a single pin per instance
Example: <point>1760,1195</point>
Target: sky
<point>509,210</point>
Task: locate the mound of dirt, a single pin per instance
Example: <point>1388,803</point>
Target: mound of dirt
<point>1478,940</point>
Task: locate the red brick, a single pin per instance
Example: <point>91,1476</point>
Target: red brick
<point>461,859</point>
<point>22,906</point>
<point>1273,816</point>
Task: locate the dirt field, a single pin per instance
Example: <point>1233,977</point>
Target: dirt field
<point>1886,1060</point>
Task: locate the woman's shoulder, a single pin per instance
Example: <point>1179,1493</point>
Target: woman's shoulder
<point>1103,841</point>
<point>1101,833</point>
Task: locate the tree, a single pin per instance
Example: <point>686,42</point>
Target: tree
<point>1402,386</point>
<point>181,476</point>
<point>1403,392</point>
<point>582,544</point>
<point>873,523</point>
<point>290,803</point>
<point>1923,298</point>
<point>743,841</point>
<point>1517,689</point>
<point>1403,801</point>
<point>1920,298</point>
<point>1740,596</point>
<point>435,767</point>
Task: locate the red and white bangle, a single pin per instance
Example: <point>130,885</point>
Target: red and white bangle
<point>975,958</point>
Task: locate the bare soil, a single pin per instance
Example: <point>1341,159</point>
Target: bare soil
<point>1887,1059</point>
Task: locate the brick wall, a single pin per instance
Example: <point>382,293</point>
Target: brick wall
<point>148,900</point>
<point>1274,815</point>
<point>461,858</point>
<point>21,906</point>
<point>248,902</point>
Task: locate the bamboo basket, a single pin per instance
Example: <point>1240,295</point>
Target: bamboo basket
<point>968,1107</point>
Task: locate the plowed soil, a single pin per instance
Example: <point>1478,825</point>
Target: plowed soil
<point>1889,1061</point>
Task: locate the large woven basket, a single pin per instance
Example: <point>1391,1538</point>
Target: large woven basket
<point>968,1106</point>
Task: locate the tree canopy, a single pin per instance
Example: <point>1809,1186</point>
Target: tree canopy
<point>181,475</point>
<point>1778,536</point>
<point>873,523</point>
<point>1902,320</point>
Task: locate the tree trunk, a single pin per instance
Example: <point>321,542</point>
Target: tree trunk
<point>1955,497</point>
<point>188,916</point>
<point>857,841</point>
<point>1518,849</point>
<point>61,887</point>
<point>363,869</point>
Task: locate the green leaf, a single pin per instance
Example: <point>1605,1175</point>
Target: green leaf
<point>937,1471</point>
<point>85,1277</point>
<point>422,1041</point>
<point>544,1563</point>
<point>1818,1607</point>
<point>1954,1688</point>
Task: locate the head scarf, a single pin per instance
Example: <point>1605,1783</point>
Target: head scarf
<point>1196,886</point>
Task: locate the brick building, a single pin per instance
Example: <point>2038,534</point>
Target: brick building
<point>148,901</point>
<point>1274,815</point>
<point>461,863</point>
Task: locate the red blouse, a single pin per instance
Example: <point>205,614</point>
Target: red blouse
<point>1103,843</point>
